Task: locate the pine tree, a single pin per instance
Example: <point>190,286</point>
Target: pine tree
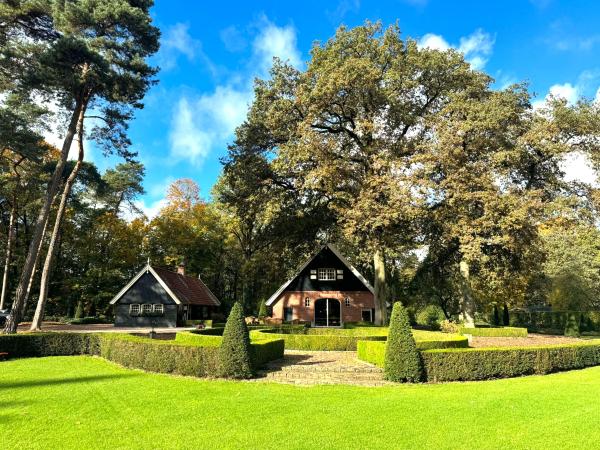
<point>234,354</point>
<point>402,359</point>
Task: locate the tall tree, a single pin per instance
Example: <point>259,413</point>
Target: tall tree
<point>94,62</point>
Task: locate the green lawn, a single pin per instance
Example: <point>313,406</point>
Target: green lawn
<point>84,402</point>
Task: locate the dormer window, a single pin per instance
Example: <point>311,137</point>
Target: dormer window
<point>326,274</point>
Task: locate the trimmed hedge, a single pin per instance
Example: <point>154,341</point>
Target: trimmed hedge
<point>402,360</point>
<point>495,332</point>
<point>323,342</point>
<point>190,358</point>
<point>48,344</point>
<point>488,363</point>
<point>207,340</point>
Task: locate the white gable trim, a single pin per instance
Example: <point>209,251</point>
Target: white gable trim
<point>273,298</point>
<point>147,268</point>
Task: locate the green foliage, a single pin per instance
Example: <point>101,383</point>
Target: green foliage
<point>505,316</point>
<point>48,344</point>
<point>556,321</point>
<point>572,325</point>
<point>265,350</point>
<point>495,331</point>
<point>79,311</point>
<point>447,326</point>
<point>262,310</point>
<point>431,317</point>
<point>234,353</point>
<point>402,360</point>
<point>496,316</point>
<point>487,363</point>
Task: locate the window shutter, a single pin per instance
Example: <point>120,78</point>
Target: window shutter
<point>340,274</point>
<point>313,274</point>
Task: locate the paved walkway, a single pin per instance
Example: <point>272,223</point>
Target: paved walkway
<point>309,368</point>
<point>100,328</point>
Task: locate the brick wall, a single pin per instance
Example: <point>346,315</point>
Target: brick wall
<point>359,300</point>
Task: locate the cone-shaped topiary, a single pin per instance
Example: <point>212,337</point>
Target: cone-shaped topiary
<point>402,359</point>
<point>505,316</point>
<point>79,310</point>
<point>496,316</point>
<point>234,354</point>
<point>262,310</point>
<point>572,325</point>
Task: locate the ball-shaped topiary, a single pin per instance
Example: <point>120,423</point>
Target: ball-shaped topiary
<point>402,359</point>
<point>234,353</point>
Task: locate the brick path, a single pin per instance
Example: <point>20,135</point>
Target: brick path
<point>309,368</point>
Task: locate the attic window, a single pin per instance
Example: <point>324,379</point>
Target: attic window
<point>134,309</point>
<point>326,274</point>
<point>159,309</point>
<point>147,309</point>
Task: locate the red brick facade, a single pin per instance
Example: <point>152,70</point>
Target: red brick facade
<point>359,301</point>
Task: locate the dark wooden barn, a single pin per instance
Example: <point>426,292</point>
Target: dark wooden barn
<point>162,298</point>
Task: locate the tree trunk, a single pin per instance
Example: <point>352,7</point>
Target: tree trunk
<point>35,263</point>
<point>9,249</point>
<point>381,290</point>
<point>467,303</point>
<point>19,303</point>
<point>36,323</point>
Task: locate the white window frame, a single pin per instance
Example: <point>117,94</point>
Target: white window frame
<point>340,274</point>
<point>347,302</point>
<point>307,302</point>
<point>326,274</point>
<point>158,309</point>
<point>147,309</point>
<point>135,309</point>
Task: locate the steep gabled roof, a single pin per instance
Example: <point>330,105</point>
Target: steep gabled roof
<point>181,288</point>
<point>341,257</point>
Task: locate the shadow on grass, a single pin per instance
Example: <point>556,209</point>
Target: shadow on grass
<point>57,381</point>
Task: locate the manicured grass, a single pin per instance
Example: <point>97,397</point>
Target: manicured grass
<point>86,402</point>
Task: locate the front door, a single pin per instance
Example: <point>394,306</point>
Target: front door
<point>327,312</point>
<point>288,314</point>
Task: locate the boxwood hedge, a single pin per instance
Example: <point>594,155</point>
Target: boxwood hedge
<point>487,363</point>
<point>193,358</point>
<point>495,332</point>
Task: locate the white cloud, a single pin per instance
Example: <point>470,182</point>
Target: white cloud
<point>177,41</point>
<point>577,167</point>
<point>150,210</point>
<point>477,47</point>
<point>585,86</point>
<point>274,41</point>
<point>204,123</point>
<point>597,96</point>
<point>567,91</point>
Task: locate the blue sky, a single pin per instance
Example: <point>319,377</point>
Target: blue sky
<point>211,52</point>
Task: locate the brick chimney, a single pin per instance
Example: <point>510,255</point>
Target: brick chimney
<point>181,268</point>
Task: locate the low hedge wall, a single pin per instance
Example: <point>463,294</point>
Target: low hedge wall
<point>475,364</point>
<point>314,342</point>
<point>495,332</point>
<point>197,356</point>
<point>487,363</point>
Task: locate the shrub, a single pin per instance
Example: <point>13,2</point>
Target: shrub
<point>572,325</point>
<point>495,332</point>
<point>234,353</point>
<point>430,317</point>
<point>266,350</point>
<point>48,344</point>
<point>496,316</point>
<point>79,310</point>
<point>262,310</point>
<point>488,363</point>
<point>402,360</point>
<point>505,316</point>
<point>160,356</point>
<point>206,340</point>
<point>447,326</point>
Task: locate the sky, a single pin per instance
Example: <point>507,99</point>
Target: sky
<point>212,51</point>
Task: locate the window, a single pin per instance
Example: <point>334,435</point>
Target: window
<point>159,309</point>
<point>307,302</point>
<point>347,301</point>
<point>340,274</point>
<point>367,315</point>
<point>134,309</point>
<point>326,274</point>
<point>147,309</point>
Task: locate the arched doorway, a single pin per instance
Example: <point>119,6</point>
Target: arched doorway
<point>328,312</point>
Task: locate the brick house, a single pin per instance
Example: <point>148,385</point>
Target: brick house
<point>326,291</point>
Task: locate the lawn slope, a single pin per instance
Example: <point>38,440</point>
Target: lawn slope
<point>86,402</point>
